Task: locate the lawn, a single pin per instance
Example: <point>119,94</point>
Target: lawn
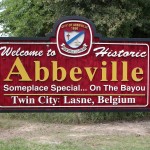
<point>28,135</point>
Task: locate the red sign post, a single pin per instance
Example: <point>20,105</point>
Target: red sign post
<point>74,69</point>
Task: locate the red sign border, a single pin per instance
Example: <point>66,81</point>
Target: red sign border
<point>53,34</point>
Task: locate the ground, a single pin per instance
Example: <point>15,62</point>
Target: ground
<point>22,135</point>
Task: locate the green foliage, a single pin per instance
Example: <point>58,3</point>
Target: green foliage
<point>113,18</point>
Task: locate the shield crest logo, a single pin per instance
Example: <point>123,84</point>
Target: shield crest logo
<point>74,38</point>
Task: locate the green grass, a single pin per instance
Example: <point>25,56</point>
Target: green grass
<point>21,144</point>
<point>76,118</point>
<point>8,124</point>
<point>68,118</point>
<point>58,139</point>
<point>88,143</point>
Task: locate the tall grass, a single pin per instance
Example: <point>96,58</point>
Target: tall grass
<point>76,118</point>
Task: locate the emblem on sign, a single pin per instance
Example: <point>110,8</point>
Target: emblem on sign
<point>74,38</point>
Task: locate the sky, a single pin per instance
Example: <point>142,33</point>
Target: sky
<point>1,26</point>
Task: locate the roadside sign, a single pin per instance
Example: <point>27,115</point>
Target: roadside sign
<point>74,69</point>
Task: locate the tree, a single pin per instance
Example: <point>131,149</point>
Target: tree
<point>113,18</point>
